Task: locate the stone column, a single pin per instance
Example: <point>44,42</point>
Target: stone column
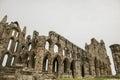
<point>102,70</point>
<point>51,47</point>
<point>39,42</point>
<point>92,68</point>
<point>77,69</point>
<point>105,70</point>
<point>118,66</point>
<point>59,69</point>
<point>39,60</point>
<point>97,70</point>
<point>86,70</point>
<point>50,66</point>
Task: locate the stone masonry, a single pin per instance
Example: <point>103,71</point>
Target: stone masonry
<point>49,57</point>
<point>116,58</point>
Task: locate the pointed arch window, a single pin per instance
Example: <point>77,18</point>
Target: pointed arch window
<point>45,63</point>
<point>16,45</point>
<point>30,46</point>
<point>12,61</point>
<point>5,60</point>
<point>63,53</point>
<point>70,54</point>
<point>13,32</point>
<point>55,48</point>
<point>65,65</point>
<point>55,65</point>
<point>47,45</point>
<point>9,44</point>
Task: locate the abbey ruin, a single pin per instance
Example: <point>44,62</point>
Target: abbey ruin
<point>49,57</point>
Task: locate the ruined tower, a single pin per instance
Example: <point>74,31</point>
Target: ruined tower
<point>116,58</point>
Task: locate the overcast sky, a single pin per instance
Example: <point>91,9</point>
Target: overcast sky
<point>76,20</point>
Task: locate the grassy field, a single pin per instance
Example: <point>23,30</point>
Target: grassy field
<point>89,79</point>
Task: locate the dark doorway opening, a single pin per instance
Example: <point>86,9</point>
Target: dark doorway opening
<point>82,71</point>
<point>72,67</point>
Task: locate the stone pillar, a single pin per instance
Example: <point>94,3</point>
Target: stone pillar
<point>50,66</point>
<point>102,70</point>
<point>98,70</point>
<point>39,60</point>
<point>105,70</point>
<point>118,67</point>
<point>59,70</point>
<point>86,70</point>
<point>51,47</point>
<point>40,51</point>
<point>92,68</point>
<point>77,69</point>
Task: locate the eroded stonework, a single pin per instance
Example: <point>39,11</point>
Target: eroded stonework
<point>116,58</point>
<point>49,57</point>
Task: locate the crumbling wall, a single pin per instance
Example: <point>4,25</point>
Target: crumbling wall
<point>48,57</point>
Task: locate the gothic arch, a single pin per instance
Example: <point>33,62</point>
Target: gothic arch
<point>6,59</point>
<point>15,31</point>
<point>72,68</point>
<point>47,45</point>
<point>12,61</point>
<point>16,46</point>
<point>46,62</point>
<point>10,42</point>
<point>4,63</point>
<point>83,70</point>
<point>29,47</point>
<point>65,65</point>
<point>63,52</point>
<point>57,48</point>
<point>56,65</point>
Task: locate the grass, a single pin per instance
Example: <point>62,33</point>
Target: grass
<point>89,79</point>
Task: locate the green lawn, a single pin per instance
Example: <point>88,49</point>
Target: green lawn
<point>89,79</point>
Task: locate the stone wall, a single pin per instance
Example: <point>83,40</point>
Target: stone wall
<point>115,48</point>
<point>48,57</point>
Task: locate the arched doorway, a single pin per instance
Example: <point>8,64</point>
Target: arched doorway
<point>72,68</point>
<point>82,70</point>
<point>65,65</point>
<point>56,65</point>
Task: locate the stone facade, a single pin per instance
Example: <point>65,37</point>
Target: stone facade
<point>116,58</point>
<point>49,57</point>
